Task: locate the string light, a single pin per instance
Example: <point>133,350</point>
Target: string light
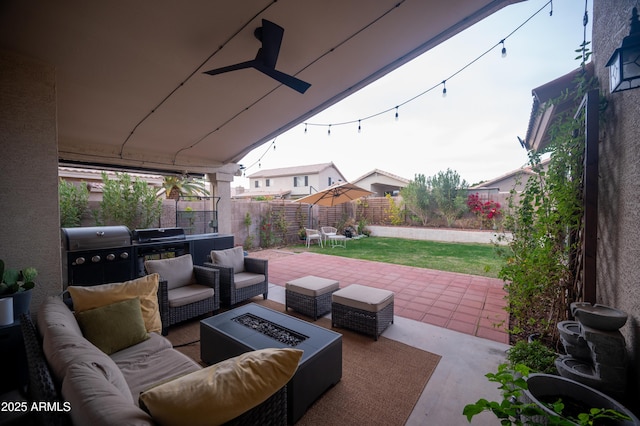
<point>443,83</point>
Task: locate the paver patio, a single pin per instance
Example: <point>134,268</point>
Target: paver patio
<point>468,304</point>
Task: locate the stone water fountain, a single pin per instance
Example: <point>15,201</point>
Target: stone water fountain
<point>596,350</point>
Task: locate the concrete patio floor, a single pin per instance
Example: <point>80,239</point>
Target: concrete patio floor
<point>452,315</point>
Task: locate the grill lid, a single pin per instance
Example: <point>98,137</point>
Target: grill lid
<point>95,237</point>
<point>158,234</point>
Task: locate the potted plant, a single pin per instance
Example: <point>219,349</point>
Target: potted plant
<point>17,285</point>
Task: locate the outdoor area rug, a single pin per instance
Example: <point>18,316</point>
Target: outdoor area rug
<point>381,380</point>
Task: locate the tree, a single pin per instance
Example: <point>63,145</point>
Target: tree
<point>128,202</point>
<point>449,194</point>
<point>176,186</point>
<point>418,198</point>
<point>74,201</point>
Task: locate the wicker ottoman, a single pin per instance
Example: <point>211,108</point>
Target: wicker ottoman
<point>310,295</point>
<point>364,309</point>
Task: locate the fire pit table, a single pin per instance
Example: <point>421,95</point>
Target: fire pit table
<point>252,327</point>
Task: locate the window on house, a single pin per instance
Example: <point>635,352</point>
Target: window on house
<point>256,184</point>
<point>267,182</point>
<point>300,181</point>
<point>329,181</point>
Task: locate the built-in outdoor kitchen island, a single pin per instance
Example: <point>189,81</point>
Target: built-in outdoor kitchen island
<point>105,254</point>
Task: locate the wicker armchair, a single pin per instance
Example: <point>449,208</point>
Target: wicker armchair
<point>241,277</point>
<point>183,295</point>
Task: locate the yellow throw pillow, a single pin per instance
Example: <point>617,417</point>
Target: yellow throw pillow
<point>223,391</point>
<point>146,288</point>
<point>114,327</point>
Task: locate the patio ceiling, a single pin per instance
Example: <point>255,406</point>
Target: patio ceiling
<point>129,75</point>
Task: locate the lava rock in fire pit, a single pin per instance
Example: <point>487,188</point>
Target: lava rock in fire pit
<point>268,328</point>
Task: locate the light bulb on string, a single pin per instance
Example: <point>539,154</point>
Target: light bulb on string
<point>329,130</point>
<point>359,127</point>
<point>305,128</point>
<point>444,88</point>
<point>397,116</point>
<point>504,49</point>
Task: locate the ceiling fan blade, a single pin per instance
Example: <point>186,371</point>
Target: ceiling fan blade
<point>286,79</point>
<point>240,66</point>
<point>270,35</point>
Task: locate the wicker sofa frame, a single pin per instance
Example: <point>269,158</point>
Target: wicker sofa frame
<point>229,293</point>
<point>174,315</point>
<point>312,306</point>
<point>370,323</point>
<point>41,387</point>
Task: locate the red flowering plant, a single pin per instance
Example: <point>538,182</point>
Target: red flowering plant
<point>487,211</point>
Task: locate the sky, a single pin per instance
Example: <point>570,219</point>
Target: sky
<point>473,130</point>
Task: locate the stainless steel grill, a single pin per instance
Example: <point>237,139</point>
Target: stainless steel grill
<point>97,255</point>
<point>96,237</point>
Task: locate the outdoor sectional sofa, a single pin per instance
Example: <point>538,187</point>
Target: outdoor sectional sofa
<point>96,383</point>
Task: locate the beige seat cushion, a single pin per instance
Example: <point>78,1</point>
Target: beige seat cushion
<point>246,279</point>
<point>233,257</point>
<point>189,294</point>
<point>156,368</point>
<point>312,286</point>
<point>362,297</point>
<point>176,271</point>
<point>97,402</point>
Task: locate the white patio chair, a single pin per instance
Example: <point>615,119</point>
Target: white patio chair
<point>328,231</point>
<point>313,234</point>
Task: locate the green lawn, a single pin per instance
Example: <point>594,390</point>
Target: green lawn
<point>474,259</point>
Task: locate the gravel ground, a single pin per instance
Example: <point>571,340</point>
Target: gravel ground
<point>271,253</point>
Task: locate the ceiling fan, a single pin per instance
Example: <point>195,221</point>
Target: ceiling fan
<point>270,35</point>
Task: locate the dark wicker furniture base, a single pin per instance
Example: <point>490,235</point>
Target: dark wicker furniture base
<point>370,323</point>
<point>312,306</point>
<point>174,315</point>
<point>271,412</point>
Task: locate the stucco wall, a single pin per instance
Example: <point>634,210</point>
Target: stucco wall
<point>29,217</point>
<point>618,276</point>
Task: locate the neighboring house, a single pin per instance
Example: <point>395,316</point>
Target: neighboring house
<point>292,182</point>
<point>381,183</point>
<point>499,188</point>
<point>545,111</point>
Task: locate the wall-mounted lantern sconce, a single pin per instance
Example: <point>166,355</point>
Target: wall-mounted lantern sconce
<point>624,64</point>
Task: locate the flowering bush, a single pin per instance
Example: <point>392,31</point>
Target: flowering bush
<point>486,211</point>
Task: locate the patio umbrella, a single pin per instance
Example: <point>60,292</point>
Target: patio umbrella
<point>336,194</point>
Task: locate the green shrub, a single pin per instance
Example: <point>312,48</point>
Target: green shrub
<point>535,355</point>
<point>128,202</point>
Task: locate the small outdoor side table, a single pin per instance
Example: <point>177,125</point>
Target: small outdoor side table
<point>338,241</point>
